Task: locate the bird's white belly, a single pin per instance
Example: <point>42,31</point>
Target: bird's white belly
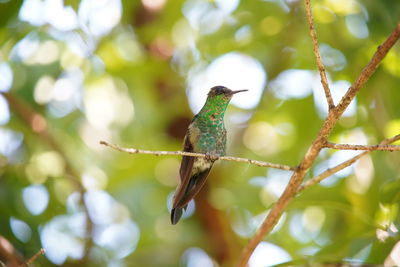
<point>201,164</point>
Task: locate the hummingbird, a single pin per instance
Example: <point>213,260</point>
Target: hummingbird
<point>206,134</point>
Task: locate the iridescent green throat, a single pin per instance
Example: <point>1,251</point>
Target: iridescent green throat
<point>214,109</point>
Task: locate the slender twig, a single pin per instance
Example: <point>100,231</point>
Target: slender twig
<point>191,154</point>
<point>362,147</point>
<point>312,153</point>
<point>34,257</point>
<point>366,73</point>
<point>341,166</point>
<point>317,55</point>
<point>330,171</point>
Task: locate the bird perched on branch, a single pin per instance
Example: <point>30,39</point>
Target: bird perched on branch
<point>206,134</point>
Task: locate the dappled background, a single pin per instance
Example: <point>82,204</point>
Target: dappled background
<point>73,73</point>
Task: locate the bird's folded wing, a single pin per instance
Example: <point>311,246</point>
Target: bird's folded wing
<point>185,171</point>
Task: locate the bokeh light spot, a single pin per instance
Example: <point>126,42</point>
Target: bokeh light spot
<point>323,14</point>
<point>268,254</point>
<point>50,163</point>
<point>154,5</point>
<point>99,17</point>
<point>10,141</point>
<point>63,89</point>
<point>34,174</point>
<point>129,48</point>
<point>4,111</point>
<point>293,84</point>
<point>203,16</point>
<point>276,181</point>
<point>392,128</point>
<point>94,179</point>
<point>393,259</point>
<point>102,208</point>
<point>297,230</point>
<point>20,229</point>
<point>313,219</point>
<point>43,89</point>
<point>25,48</point>
<point>357,26</point>
<point>62,237</point>
<point>392,63</point>
<point>344,7</point>
<point>233,70</point>
<point>339,157</point>
<point>60,17</point>
<point>270,26</point>
<point>36,198</point>
<point>91,136</point>
<point>262,139</point>
<point>47,53</point>
<point>241,222</point>
<point>6,77</point>
<point>227,6</point>
<point>244,35</point>
<point>120,239</point>
<point>107,101</point>
<point>70,58</point>
<point>32,12</point>
<point>364,174</point>
<point>196,257</point>
<point>332,58</point>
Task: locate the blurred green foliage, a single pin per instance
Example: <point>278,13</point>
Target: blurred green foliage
<point>75,73</point>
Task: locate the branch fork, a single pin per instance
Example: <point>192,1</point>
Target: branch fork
<point>334,114</point>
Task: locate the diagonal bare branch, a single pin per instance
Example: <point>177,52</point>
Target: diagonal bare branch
<point>317,55</point>
<point>312,153</point>
<point>191,154</point>
<point>367,72</point>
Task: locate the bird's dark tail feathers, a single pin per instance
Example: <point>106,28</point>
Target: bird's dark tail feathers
<point>176,214</point>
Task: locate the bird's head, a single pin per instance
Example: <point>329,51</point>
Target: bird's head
<point>224,92</point>
<point>218,99</point>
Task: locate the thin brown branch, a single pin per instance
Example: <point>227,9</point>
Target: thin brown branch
<point>200,155</point>
<point>367,72</point>
<point>362,147</point>
<point>317,179</point>
<point>317,55</point>
<point>34,257</point>
<point>312,153</point>
<point>330,171</point>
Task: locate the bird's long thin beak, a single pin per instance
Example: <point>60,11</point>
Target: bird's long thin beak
<point>238,91</point>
